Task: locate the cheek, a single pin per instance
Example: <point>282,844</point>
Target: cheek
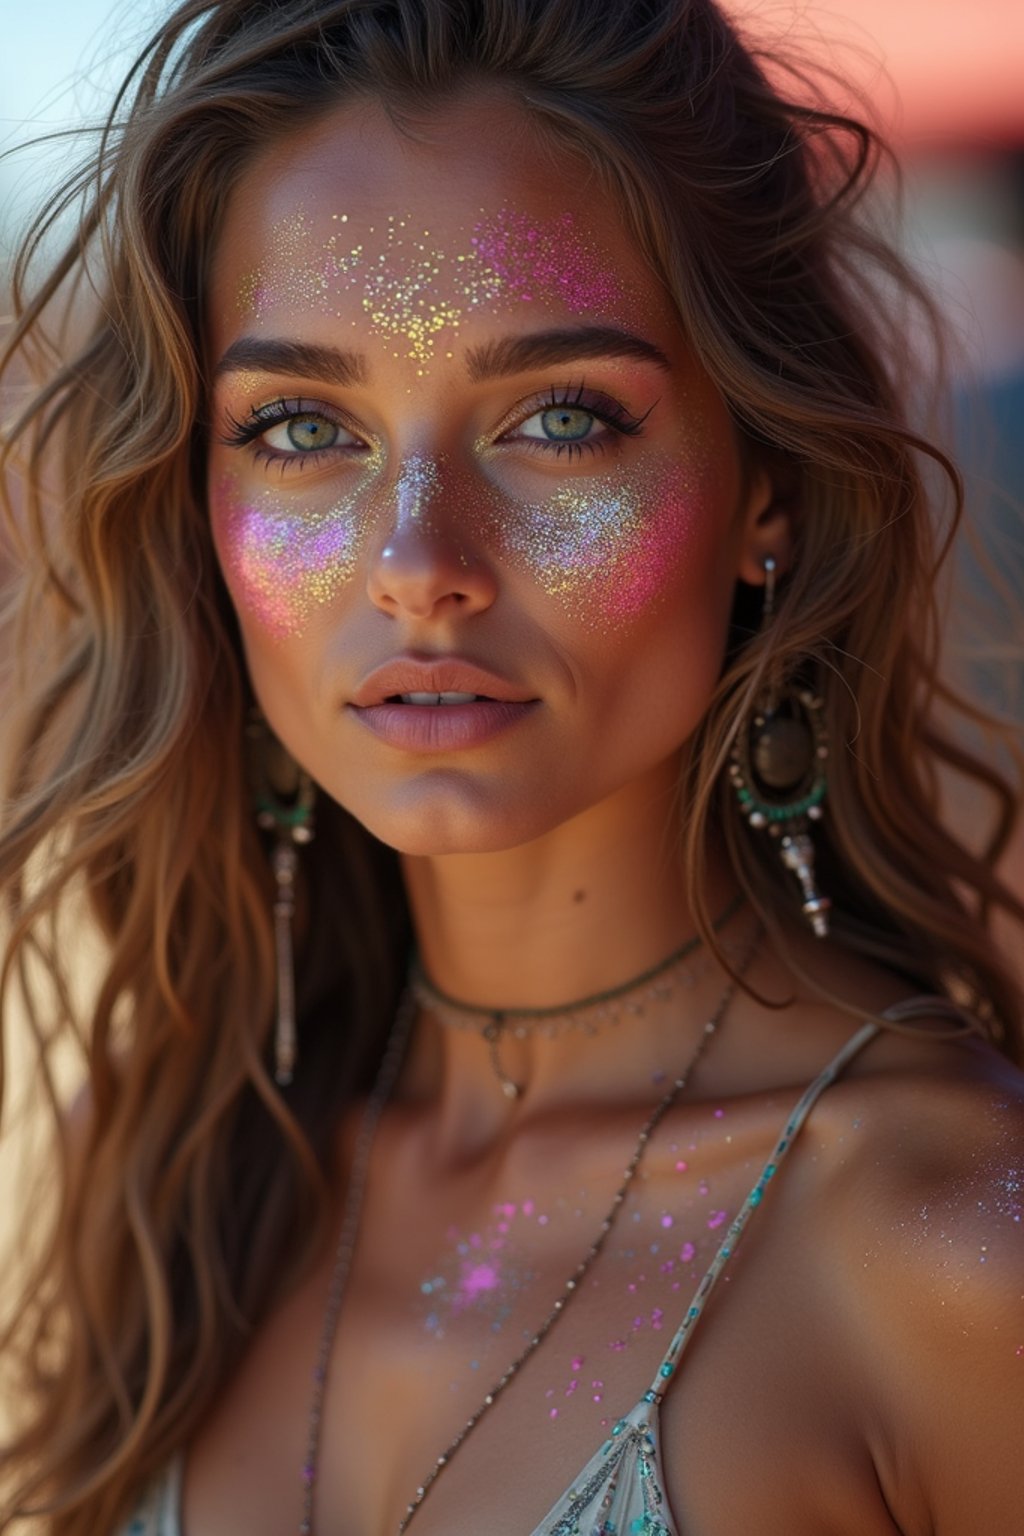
<point>280,563</point>
<point>609,549</point>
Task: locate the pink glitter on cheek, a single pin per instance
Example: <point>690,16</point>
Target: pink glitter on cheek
<point>606,547</point>
<point>282,562</point>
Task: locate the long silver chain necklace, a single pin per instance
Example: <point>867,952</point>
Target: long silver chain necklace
<point>387,1076</point>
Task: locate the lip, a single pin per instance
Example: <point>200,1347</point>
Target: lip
<point>438,727</point>
<point>435,674</point>
<point>442,727</point>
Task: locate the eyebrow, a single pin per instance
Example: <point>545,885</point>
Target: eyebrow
<point>521,354</point>
<point>491,360</point>
<point>328,365</point>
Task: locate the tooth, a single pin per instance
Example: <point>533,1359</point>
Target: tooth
<point>437,698</point>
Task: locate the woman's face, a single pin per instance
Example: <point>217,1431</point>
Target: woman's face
<point>458,436</point>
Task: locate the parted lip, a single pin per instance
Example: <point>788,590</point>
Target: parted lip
<point>435,674</point>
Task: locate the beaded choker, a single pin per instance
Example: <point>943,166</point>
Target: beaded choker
<point>589,1014</point>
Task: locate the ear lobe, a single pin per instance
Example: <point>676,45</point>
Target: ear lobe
<point>768,522</point>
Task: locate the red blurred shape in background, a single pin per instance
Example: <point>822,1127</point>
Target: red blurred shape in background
<point>955,67</point>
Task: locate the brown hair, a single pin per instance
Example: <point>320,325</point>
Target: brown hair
<point>191,1174</point>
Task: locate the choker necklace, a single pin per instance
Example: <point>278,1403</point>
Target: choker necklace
<point>387,1076</point>
<point>588,1014</point>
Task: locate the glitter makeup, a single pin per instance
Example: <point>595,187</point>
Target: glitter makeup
<point>412,292</point>
<point>285,560</point>
<point>481,1273</point>
<point>606,547</point>
<point>965,1223</point>
<point>418,481</point>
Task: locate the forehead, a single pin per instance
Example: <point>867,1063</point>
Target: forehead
<point>475,210</point>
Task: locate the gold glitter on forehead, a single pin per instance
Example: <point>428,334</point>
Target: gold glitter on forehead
<point>412,292</point>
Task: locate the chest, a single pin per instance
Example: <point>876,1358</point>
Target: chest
<point>447,1293</point>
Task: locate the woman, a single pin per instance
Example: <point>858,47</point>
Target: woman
<point>492,534</point>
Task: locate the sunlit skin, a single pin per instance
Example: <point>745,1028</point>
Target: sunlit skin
<point>540,866</point>
<point>453,566</point>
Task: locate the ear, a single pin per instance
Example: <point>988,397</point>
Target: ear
<point>767,520</point>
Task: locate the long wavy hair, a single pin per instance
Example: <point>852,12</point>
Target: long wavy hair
<point>191,1191</point>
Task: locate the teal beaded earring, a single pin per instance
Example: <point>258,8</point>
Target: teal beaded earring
<point>283,798</point>
<point>777,769</point>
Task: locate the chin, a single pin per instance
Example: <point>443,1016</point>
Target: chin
<point>450,815</point>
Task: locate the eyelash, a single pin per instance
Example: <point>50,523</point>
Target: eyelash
<point>261,418</point>
<point>600,406</point>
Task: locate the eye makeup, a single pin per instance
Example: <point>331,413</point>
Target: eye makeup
<point>604,547</point>
<point>412,292</point>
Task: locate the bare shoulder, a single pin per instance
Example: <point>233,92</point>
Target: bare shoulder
<point>923,1213</point>
<point>928,1139</point>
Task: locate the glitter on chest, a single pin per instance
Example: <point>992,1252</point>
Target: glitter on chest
<point>411,292</point>
<point>481,1273</point>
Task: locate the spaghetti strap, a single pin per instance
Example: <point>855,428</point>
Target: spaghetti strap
<point>922,1006</point>
<point>620,1490</point>
<point>680,1340</point>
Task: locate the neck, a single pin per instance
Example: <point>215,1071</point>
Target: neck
<point>594,903</point>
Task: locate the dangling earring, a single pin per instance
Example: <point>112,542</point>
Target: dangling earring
<point>284,796</point>
<point>778,773</point>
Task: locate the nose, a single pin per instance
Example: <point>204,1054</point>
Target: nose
<point>426,565</point>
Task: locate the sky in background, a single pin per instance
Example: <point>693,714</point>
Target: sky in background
<point>57,73</point>
<point>53,72</point>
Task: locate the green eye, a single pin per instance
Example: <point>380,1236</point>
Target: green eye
<point>310,432</point>
<point>566,423</point>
